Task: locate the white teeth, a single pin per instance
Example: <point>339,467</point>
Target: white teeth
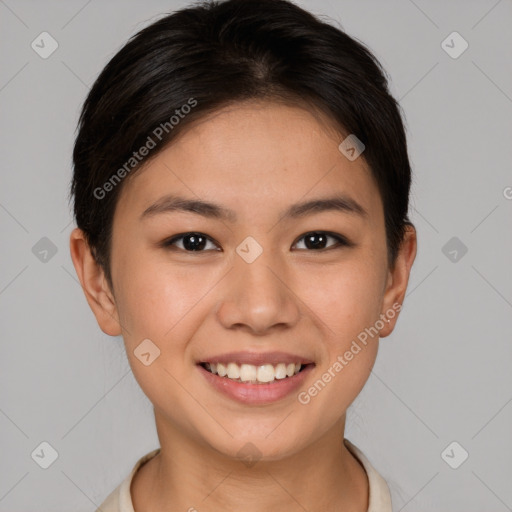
<point>221,370</point>
<point>233,371</point>
<point>280,371</point>
<point>247,372</point>
<point>254,374</point>
<point>266,373</point>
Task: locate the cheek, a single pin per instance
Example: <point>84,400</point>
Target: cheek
<point>162,301</point>
<point>157,304</point>
<point>347,297</point>
<point>151,303</point>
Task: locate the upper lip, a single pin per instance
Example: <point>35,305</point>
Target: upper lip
<point>257,359</point>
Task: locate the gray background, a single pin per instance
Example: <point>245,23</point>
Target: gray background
<point>442,376</point>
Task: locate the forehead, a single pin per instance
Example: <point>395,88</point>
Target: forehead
<point>253,155</point>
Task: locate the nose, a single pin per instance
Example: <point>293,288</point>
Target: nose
<point>257,297</point>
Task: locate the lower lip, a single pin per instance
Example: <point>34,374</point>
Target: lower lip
<point>256,394</point>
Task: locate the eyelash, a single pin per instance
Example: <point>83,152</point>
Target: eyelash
<point>341,241</point>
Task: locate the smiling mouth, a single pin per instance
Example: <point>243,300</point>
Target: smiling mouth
<point>255,374</point>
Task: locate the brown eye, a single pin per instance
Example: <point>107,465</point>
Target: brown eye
<point>190,242</point>
<point>317,240</point>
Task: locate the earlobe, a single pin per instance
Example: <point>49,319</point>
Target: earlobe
<point>94,284</point>
<point>398,278</point>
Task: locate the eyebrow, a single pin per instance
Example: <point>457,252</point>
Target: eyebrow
<point>172,203</point>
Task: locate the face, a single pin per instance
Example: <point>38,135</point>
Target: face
<point>252,278</point>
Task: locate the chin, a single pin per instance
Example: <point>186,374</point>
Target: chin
<point>256,447</point>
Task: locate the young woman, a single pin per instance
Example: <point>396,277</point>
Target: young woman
<point>241,185</point>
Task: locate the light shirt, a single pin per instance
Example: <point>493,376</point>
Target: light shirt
<point>120,500</point>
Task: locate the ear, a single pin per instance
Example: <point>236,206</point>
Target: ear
<point>398,277</point>
<point>94,284</point>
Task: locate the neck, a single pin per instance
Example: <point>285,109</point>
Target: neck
<point>186,475</point>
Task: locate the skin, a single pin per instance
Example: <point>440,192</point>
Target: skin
<point>256,158</point>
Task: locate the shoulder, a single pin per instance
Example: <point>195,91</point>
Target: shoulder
<point>379,495</point>
<point>111,503</point>
<point>120,500</point>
